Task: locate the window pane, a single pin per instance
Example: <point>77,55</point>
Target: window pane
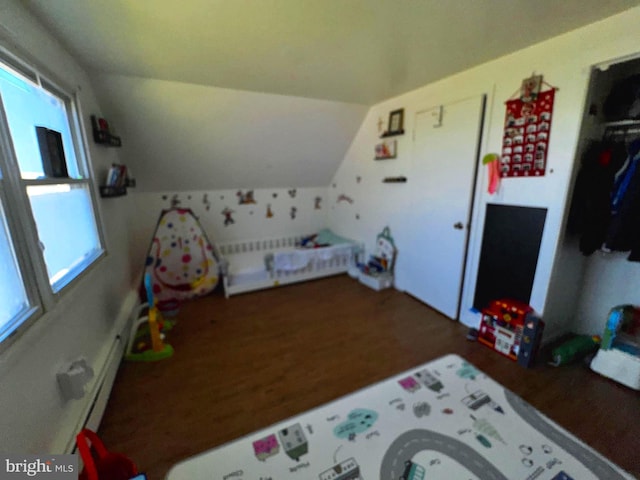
<point>66,229</point>
<point>13,298</point>
<point>26,107</point>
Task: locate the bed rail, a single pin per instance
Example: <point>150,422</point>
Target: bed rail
<point>266,245</point>
<point>340,262</point>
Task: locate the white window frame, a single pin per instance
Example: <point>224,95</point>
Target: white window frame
<point>20,220</point>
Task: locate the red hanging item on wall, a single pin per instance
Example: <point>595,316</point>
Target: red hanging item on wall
<point>525,142</point>
<point>100,463</point>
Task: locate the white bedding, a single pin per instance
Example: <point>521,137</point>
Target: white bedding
<point>300,258</point>
<point>247,262</point>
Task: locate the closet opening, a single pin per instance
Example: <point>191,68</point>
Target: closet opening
<point>600,253</point>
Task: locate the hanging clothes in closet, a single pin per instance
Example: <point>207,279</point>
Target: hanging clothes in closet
<point>623,233</point>
<point>605,209</point>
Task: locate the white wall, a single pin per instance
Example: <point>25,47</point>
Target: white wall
<point>179,136</point>
<point>609,280</point>
<point>250,220</point>
<point>565,62</point>
<point>34,418</point>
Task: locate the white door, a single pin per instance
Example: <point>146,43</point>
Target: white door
<point>445,150</point>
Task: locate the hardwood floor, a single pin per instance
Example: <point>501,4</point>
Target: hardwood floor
<point>250,361</point>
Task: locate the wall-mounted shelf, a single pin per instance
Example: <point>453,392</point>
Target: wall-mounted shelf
<point>400,179</point>
<point>117,182</point>
<point>110,192</point>
<point>392,134</point>
<point>106,139</point>
<point>102,135</point>
<point>390,157</point>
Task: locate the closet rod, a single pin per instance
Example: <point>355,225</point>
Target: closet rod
<point>621,131</point>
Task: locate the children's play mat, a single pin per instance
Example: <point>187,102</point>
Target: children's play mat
<point>442,420</point>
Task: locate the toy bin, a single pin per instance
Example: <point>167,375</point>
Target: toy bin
<point>377,282</point>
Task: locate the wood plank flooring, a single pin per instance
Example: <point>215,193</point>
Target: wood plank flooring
<point>255,359</point>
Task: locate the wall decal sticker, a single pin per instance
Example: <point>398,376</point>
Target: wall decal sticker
<point>358,179</point>
<point>344,198</point>
<point>164,197</point>
<point>175,201</point>
<point>334,185</point>
<point>228,219</point>
<point>317,203</point>
<point>205,202</point>
<point>269,211</point>
<point>275,195</point>
<point>293,212</point>
<point>245,198</point>
<point>292,192</point>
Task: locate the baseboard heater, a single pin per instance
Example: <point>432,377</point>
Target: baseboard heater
<point>103,384</point>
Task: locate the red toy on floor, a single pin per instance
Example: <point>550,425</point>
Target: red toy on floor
<point>511,328</point>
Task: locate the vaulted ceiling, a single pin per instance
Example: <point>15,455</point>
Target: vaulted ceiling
<point>219,94</point>
<point>355,51</point>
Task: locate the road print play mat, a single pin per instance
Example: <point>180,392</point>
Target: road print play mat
<point>443,420</point>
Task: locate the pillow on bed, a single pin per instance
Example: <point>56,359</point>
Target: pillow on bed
<point>326,236</point>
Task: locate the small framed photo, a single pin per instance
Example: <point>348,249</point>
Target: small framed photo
<point>396,119</point>
<point>386,150</point>
<point>530,88</point>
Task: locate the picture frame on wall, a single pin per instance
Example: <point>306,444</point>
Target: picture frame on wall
<point>396,121</point>
<point>530,88</point>
<point>386,150</point>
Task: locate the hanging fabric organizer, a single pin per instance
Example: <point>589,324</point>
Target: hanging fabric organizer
<point>526,131</point>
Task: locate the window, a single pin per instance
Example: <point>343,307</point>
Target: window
<point>14,302</point>
<point>48,228</point>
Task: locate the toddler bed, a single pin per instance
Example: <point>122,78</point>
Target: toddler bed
<point>249,265</point>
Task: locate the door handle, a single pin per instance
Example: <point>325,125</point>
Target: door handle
<point>458,226</point>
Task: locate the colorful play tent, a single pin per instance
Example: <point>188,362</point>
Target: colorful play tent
<point>181,260</point>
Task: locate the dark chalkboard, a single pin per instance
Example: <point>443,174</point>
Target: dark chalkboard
<point>509,255</point>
